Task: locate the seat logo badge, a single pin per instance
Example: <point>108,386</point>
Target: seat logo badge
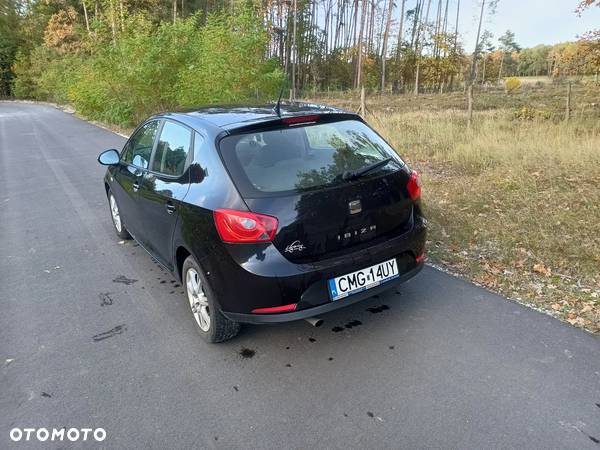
<point>295,246</point>
<point>355,206</point>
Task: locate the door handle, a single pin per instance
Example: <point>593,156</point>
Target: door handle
<point>136,186</point>
<point>170,208</point>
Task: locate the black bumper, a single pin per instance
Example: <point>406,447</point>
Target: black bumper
<point>324,308</point>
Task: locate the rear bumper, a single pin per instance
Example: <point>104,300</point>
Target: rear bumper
<point>324,308</point>
<point>248,277</point>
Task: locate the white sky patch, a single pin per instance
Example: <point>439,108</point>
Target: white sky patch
<point>533,21</point>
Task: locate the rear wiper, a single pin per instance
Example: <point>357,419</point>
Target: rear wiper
<point>353,174</point>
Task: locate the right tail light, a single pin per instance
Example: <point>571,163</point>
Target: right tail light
<point>414,186</point>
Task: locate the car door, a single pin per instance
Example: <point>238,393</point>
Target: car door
<point>163,188</point>
<point>135,160</point>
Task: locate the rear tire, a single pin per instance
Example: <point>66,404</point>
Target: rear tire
<point>115,214</point>
<point>212,325</point>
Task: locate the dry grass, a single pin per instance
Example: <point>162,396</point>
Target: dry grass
<point>543,98</point>
<point>513,204</point>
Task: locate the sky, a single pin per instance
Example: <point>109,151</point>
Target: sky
<point>533,21</point>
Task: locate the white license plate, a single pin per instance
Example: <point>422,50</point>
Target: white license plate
<point>363,279</point>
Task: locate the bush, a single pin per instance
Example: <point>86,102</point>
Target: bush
<point>528,113</point>
<point>153,68</point>
<point>227,64</point>
<point>125,82</point>
<point>512,84</point>
<point>45,74</point>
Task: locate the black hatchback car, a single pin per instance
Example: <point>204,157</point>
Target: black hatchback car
<point>267,214</point>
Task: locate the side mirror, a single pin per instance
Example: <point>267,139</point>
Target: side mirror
<point>109,157</point>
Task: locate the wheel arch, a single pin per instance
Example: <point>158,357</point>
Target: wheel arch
<point>180,256</point>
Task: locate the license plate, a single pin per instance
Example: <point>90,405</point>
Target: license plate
<point>363,279</point>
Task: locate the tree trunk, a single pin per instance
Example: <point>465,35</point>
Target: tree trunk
<point>294,51</point>
<point>470,105</point>
<point>418,47</point>
<point>382,25</point>
<point>338,23</point>
<point>174,11</point>
<point>122,15</point>
<point>326,26</point>
<point>85,14</point>
<point>500,71</point>
<point>287,46</point>
<point>113,22</point>
<point>363,106</point>
<point>415,28</point>
<point>456,27</point>
<point>483,70</point>
<point>438,23</point>
<point>401,29</point>
<point>355,21</point>
<point>473,67</point>
<point>385,41</point>
<point>360,44</point>
<point>371,27</point>
<point>445,28</point>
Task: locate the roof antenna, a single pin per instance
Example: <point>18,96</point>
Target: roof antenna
<point>277,107</point>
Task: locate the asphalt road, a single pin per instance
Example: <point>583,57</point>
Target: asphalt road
<point>448,365</point>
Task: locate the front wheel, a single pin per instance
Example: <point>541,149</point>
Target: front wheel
<point>115,213</point>
<point>212,325</point>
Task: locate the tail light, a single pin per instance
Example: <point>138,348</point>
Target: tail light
<point>414,186</point>
<point>300,119</point>
<point>238,227</point>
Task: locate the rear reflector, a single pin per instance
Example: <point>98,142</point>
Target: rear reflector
<point>237,227</point>
<point>300,119</point>
<point>420,258</point>
<point>276,309</point>
<point>414,186</point>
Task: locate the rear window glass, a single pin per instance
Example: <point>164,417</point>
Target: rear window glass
<point>306,157</point>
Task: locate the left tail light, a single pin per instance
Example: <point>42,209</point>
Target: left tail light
<point>414,186</point>
<point>242,227</point>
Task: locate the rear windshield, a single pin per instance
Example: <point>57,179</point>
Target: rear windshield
<point>304,157</point>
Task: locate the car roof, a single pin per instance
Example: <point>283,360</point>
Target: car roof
<point>231,117</point>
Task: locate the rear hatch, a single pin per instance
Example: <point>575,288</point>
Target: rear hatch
<point>307,176</point>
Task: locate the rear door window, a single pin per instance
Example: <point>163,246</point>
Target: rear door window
<point>302,158</point>
<point>139,147</point>
<point>172,149</point>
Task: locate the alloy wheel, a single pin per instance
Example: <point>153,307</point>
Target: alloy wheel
<point>198,300</point>
<point>114,211</point>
